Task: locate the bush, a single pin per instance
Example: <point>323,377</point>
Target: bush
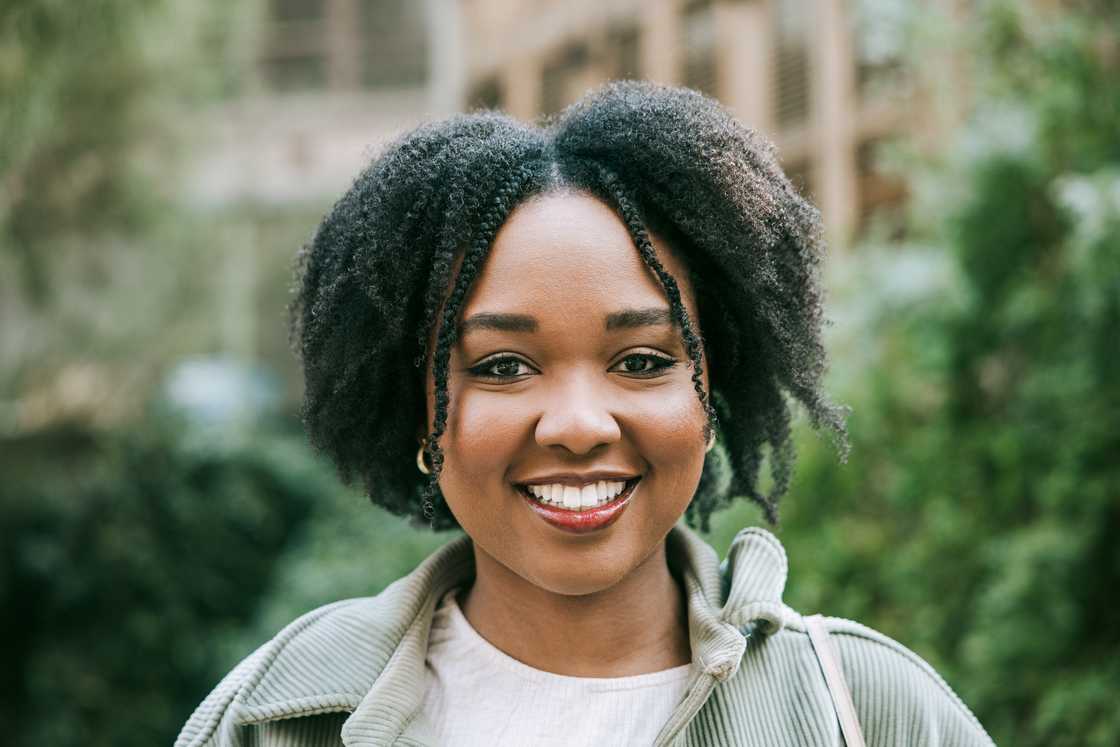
<point>128,557</point>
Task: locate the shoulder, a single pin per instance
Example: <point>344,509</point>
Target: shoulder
<point>299,671</point>
<point>899,697</point>
<point>326,661</point>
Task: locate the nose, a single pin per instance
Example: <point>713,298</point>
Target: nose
<point>577,418</point>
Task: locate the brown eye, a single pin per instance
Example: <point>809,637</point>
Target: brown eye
<point>501,369</point>
<point>507,367</point>
<point>645,364</point>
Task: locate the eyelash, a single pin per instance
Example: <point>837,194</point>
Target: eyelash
<point>661,364</point>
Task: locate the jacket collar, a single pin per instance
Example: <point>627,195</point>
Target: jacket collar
<point>366,656</point>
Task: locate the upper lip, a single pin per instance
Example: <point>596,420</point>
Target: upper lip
<point>574,478</point>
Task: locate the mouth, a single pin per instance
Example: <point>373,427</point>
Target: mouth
<point>580,510</point>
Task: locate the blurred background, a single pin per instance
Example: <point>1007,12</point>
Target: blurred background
<point>161,161</point>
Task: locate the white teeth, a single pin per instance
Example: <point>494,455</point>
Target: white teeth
<point>569,496</point>
<point>603,491</point>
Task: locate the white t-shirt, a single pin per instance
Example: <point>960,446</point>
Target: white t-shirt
<point>478,695</point>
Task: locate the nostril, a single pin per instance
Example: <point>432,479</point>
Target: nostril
<point>578,436</point>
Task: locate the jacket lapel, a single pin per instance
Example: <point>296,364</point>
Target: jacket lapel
<point>719,628</point>
<point>392,702</point>
<point>368,656</point>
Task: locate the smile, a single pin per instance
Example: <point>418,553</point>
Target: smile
<point>580,509</point>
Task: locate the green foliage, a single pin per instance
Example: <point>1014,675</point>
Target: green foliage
<point>974,521</point>
<point>103,268</point>
<point>348,548</point>
<point>126,558</point>
<point>977,516</point>
<point>89,92</point>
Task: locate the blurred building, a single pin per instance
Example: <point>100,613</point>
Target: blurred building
<point>819,77</point>
<point>320,85</point>
<point>330,81</point>
<point>326,84</point>
<point>334,79</point>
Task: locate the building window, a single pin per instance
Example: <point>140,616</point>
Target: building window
<point>565,78</point>
<point>791,63</point>
<point>345,44</point>
<point>287,11</point>
<point>699,46</point>
<point>880,36</point>
<point>394,43</point>
<point>882,196</point>
<point>487,94</point>
<point>295,53</point>
<point>624,53</point>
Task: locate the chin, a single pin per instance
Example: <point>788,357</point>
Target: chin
<point>597,568</point>
<point>577,584</point>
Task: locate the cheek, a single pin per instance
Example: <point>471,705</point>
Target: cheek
<point>487,431</point>
<point>668,432</point>
<point>484,431</point>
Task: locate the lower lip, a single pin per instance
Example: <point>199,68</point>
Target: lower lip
<point>587,520</point>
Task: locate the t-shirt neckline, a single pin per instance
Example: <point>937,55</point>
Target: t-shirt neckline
<point>463,631</point>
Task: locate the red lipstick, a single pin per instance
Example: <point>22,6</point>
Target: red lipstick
<point>585,520</point>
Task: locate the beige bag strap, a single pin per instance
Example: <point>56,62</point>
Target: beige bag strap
<point>834,678</point>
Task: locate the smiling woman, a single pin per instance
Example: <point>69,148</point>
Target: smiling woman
<point>590,330</point>
<point>591,384</point>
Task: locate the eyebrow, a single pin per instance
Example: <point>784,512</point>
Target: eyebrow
<point>631,318</point>
<point>625,319</point>
<point>499,322</point>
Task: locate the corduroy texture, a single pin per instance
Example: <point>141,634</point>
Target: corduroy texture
<point>353,672</point>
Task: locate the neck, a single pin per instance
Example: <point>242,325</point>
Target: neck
<point>639,625</point>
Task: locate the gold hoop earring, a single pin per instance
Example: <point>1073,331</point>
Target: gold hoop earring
<point>420,463</point>
<point>711,443</point>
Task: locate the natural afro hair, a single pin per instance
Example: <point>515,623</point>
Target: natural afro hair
<point>379,271</point>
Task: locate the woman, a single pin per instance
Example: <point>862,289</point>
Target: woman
<point>589,331</point>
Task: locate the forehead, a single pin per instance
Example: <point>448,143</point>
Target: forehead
<point>569,252</point>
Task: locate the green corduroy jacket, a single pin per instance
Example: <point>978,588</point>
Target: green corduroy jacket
<point>352,672</point>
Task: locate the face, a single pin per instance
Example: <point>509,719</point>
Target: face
<point>568,377</point>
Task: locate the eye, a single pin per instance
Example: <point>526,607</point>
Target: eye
<point>502,368</point>
<point>645,365</point>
